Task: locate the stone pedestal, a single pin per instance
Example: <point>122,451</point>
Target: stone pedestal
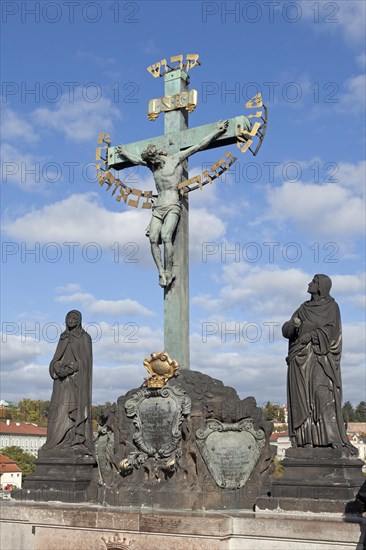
<point>61,478</point>
<point>192,445</point>
<point>55,526</point>
<point>316,480</point>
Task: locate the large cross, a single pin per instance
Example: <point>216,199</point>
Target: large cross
<point>177,137</point>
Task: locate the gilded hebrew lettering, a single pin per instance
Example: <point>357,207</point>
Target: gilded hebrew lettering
<point>155,69</point>
<point>253,131</point>
<point>217,167</point>
<point>258,130</point>
<point>104,138</point>
<point>98,153</point>
<point>257,115</point>
<point>207,177</point>
<point>186,183</point>
<point>192,57</point>
<point>245,146</point>
<point>163,62</point>
<point>255,102</point>
<point>133,202</point>
<point>106,177</point>
<point>230,158</point>
<point>191,61</point>
<point>177,58</point>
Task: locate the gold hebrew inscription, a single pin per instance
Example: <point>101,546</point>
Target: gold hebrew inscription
<point>191,61</point>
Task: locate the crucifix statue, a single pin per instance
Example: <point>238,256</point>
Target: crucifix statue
<point>167,171</point>
<point>166,156</point>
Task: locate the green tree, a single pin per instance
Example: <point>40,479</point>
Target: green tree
<point>348,412</point>
<point>24,461</point>
<point>360,412</point>
<point>278,468</point>
<point>31,410</point>
<point>8,413</point>
<point>274,412</point>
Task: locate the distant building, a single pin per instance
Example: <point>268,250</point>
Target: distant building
<point>282,441</point>
<point>10,474</point>
<point>4,403</point>
<point>358,442</point>
<point>357,427</point>
<point>29,437</point>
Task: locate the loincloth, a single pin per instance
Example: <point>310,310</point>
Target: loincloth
<point>161,212</point>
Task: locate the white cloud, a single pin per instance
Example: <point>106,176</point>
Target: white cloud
<point>353,100</point>
<point>353,176</point>
<point>95,307</point>
<point>361,60</point>
<point>327,210</point>
<point>81,219</point>
<point>203,227</point>
<point>346,16</point>
<point>151,48</point>
<point>351,19</point>
<point>81,119</point>
<point>17,350</point>
<point>36,382</point>
<point>15,127</point>
<point>99,60</point>
<point>22,169</point>
<point>349,284</point>
<point>257,368</point>
<point>268,293</point>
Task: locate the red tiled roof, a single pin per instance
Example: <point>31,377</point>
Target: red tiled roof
<point>22,428</point>
<point>4,458</point>
<point>276,435</point>
<point>8,465</point>
<point>359,427</point>
<point>8,468</point>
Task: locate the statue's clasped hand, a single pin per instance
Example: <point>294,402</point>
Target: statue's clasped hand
<point>63,371</point>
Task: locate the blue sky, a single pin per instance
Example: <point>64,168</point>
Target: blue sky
<point>73,69</point>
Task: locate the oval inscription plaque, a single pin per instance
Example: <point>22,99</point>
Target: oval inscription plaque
<point>230,451</point>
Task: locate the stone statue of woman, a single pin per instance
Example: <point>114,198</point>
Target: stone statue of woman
<point>314,384</point>
<point>69,420</point>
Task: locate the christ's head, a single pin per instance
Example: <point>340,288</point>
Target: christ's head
<point>153,156</point>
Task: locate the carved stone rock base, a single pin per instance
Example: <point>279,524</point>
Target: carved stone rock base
<point>216,444</point>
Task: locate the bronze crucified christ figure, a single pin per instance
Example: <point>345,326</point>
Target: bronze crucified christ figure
<point>167,171</point>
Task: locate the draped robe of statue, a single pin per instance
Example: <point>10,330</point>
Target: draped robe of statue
<point>314,384</point>
<point>69,422</point>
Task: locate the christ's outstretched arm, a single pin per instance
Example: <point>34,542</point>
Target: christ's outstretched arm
<point>221,129</point>
<point>125,155</point>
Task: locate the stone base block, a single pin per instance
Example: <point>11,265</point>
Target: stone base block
<point>64,479</point>
<point>55,526</point>
<point>315,480</point>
